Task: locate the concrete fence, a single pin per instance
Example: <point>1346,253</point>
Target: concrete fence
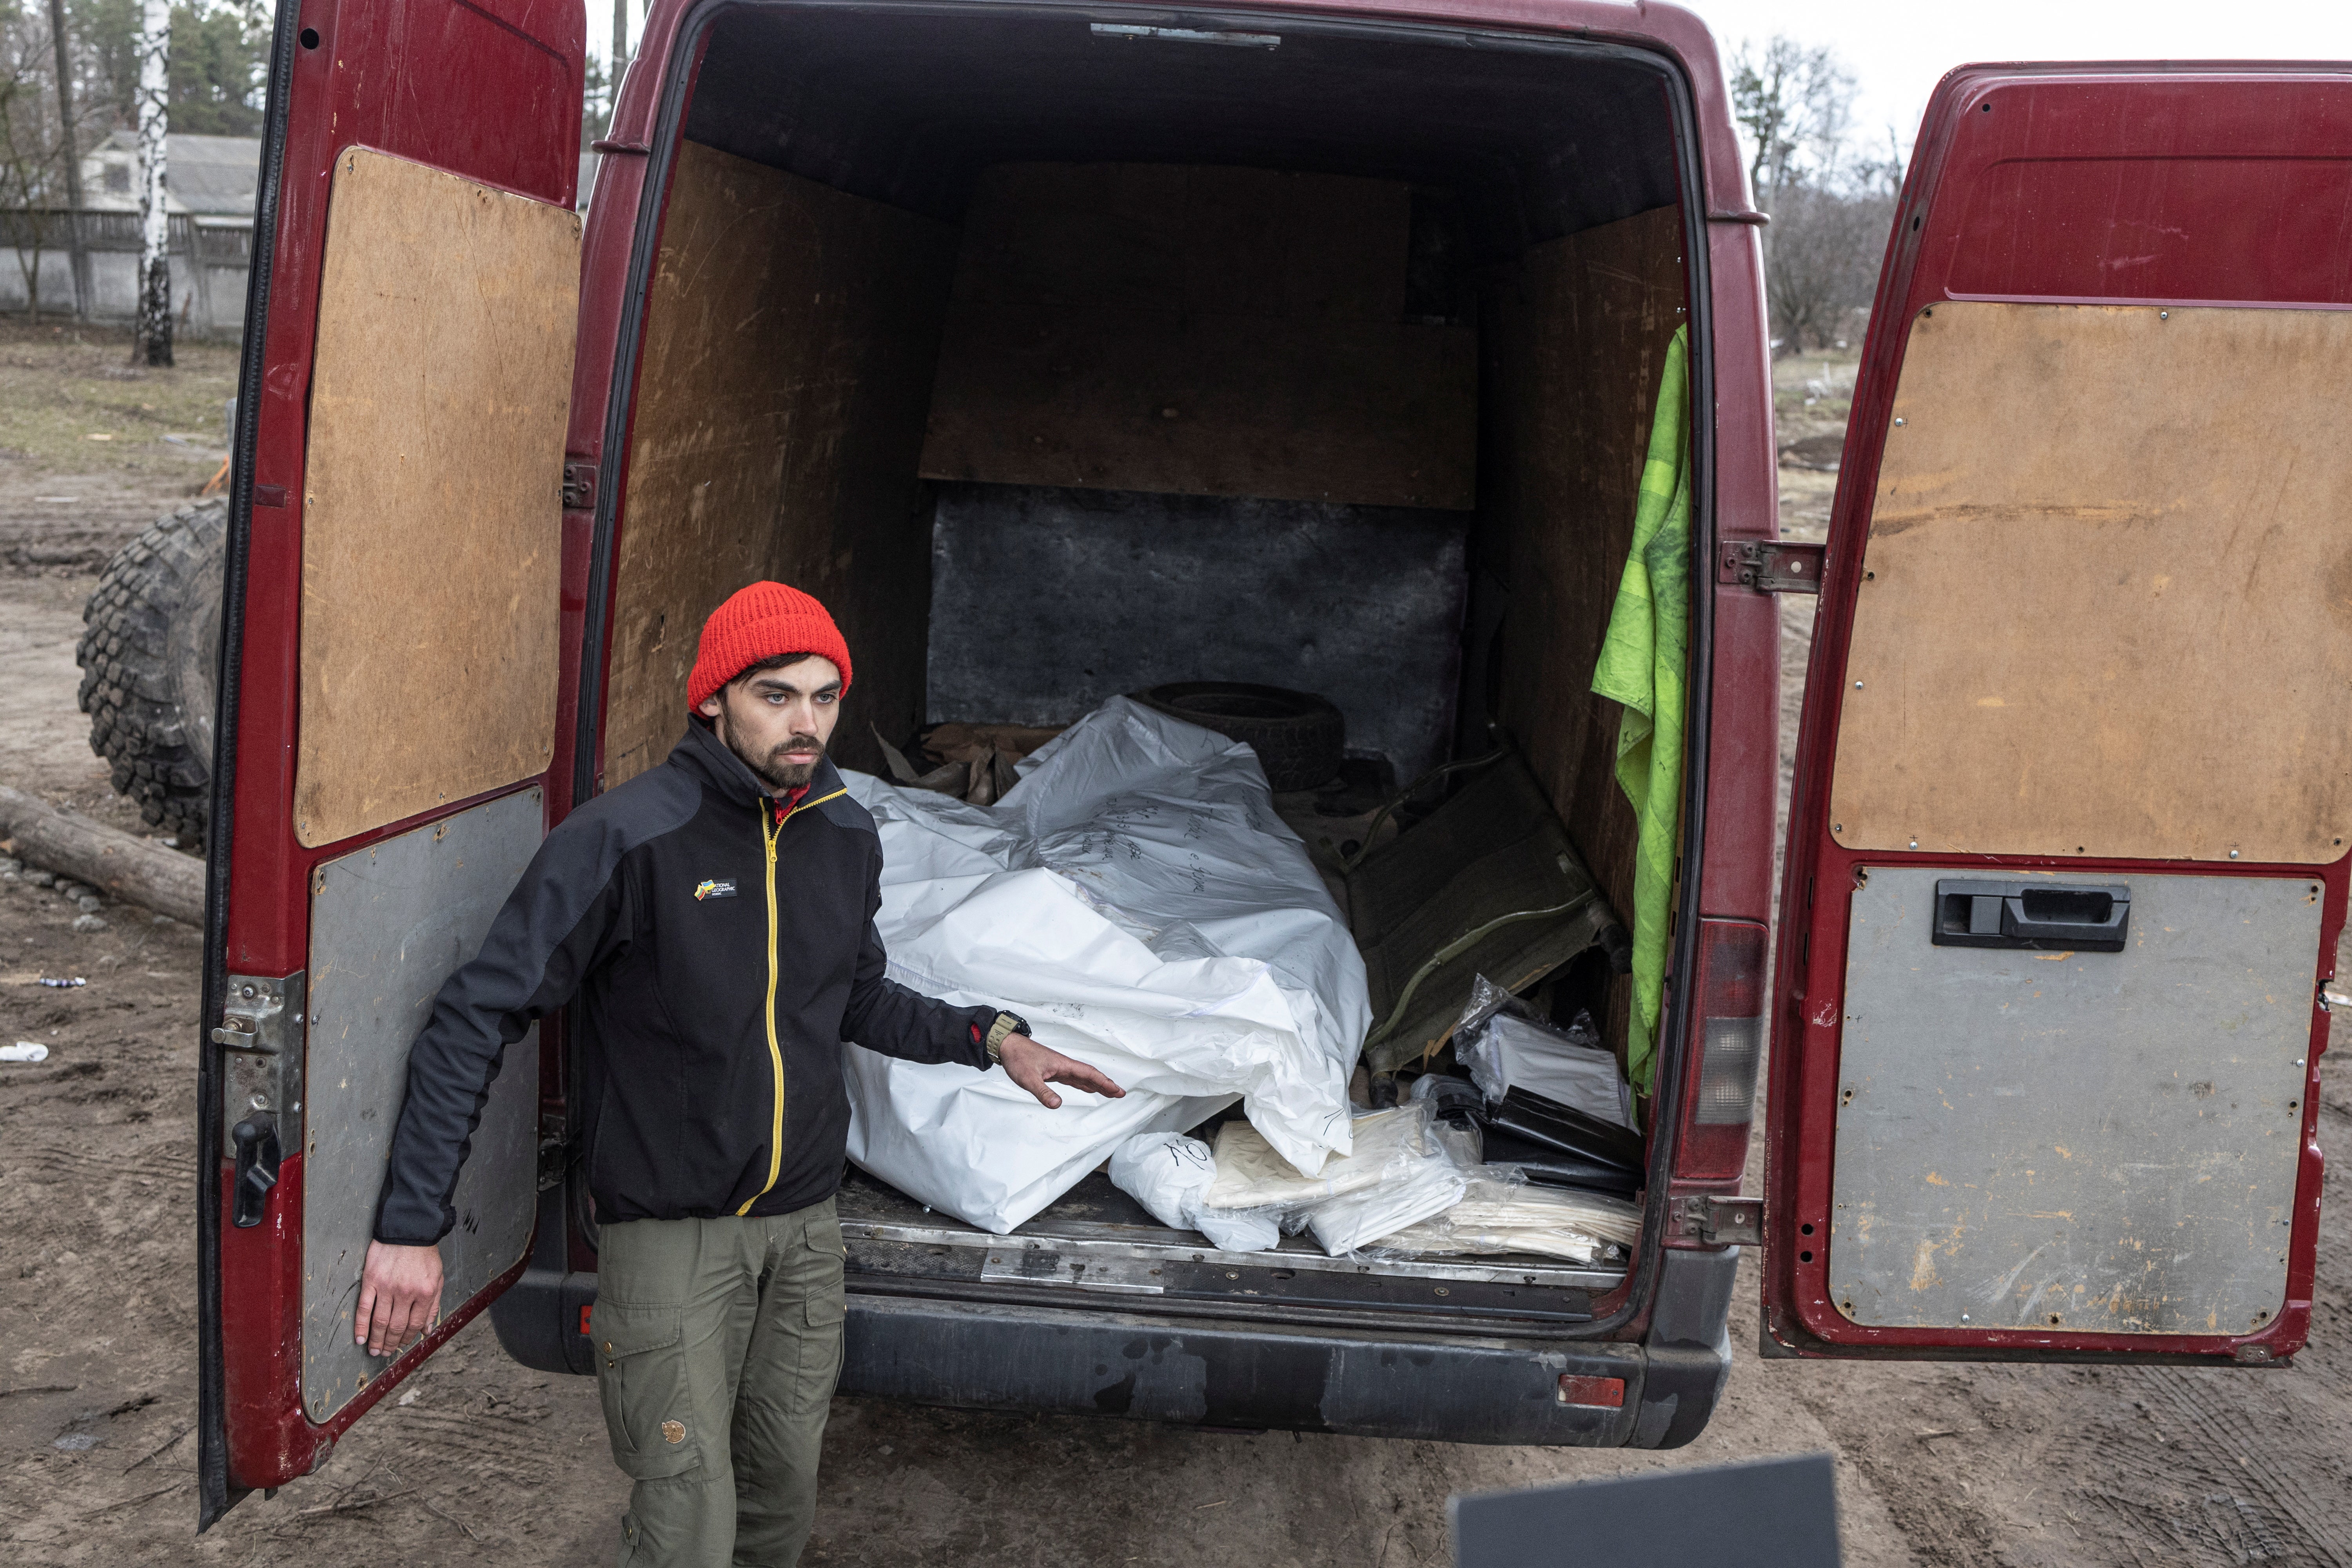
<point>209,258</point>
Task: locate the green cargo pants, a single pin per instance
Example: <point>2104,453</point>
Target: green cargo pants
<point>717,1344</point>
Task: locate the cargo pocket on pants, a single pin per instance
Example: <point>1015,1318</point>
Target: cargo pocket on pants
<point>822,1312</point>
<point>827,1297</point>
<point>641,1376</point>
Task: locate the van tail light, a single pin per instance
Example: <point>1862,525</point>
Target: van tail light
<point>1719,1082</point>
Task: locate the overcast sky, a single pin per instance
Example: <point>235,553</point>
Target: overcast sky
<point>1896,50</point>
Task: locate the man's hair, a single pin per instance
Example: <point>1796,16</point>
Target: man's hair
<point>777,662</point>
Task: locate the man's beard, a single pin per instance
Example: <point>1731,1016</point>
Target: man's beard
<point>773,771</point>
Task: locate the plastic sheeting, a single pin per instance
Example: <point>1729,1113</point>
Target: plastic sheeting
<point>1504,1051</point>
<point>1399,1172</point>
<point>1423,1181</point>
<point>1252,1174</point>
<point>1134,897</point>
<point>1169,1174</point>
<point>1500,1212</point>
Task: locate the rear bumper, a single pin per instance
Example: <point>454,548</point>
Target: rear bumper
<point>1197,1371</point>
<point>1208,1372</point>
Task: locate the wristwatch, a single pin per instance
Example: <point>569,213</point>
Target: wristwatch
<point>1006,1024</point>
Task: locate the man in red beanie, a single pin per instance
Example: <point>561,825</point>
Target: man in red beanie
<point>714,919</point>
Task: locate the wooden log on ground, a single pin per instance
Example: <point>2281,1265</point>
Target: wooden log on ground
<point>122,866</point>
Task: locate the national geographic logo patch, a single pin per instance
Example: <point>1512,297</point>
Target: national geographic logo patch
<point>709,887</point>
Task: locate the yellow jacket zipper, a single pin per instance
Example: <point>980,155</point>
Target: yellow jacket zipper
<point>775,1049</point>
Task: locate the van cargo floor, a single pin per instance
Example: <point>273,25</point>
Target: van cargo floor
<point>1096,1247</point>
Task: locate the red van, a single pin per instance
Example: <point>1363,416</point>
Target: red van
<point>870,288</point>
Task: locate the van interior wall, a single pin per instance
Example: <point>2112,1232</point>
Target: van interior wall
<point>1190,426</point>
<point>790,338</point>
<point>1573,339</point>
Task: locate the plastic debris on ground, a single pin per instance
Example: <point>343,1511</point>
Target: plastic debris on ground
<point>24,1051</point>
<point>1134,896</point>
<point>62,981</point>
<point>1168,1175</point>
<point>1501,1212</point>
<point>1504,1049</point>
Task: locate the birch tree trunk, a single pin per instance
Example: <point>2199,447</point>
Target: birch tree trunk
<point>154,220</point>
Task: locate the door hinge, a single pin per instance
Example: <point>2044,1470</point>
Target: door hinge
<point>1771,566</point>
<point>1724,1222</point>
<point>554,1148</point>
<point>578,486</point>
<point>261,1066</point>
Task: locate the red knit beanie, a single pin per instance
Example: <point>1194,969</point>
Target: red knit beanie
<point>759,622</point>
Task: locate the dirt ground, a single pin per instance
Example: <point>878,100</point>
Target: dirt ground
<point>484,1461</point>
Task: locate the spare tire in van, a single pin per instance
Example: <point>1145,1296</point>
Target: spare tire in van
<point>149,653</point>
<point>1299,737</point>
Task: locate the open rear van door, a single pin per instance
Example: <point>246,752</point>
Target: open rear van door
<point>2067,850</point>
<point>389,675</point>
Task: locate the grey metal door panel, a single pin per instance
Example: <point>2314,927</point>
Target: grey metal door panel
<point>388,924</point>
<point>2089,1142</point>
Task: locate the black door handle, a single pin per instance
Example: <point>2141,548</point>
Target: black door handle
<point>255,1137</point>
<point>2080,917</point>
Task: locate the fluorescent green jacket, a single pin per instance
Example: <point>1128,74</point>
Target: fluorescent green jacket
<point>1644,664</point>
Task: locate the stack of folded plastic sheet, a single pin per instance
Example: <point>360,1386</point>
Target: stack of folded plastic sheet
<point>1501,1212</point>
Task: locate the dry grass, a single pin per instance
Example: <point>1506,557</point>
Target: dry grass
<point>72,403</point>
<point>1811,393</point>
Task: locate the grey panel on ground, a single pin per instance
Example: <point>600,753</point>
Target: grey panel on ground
<point>388,924</point>
<point>2102,1142</point>
<point>1773,1513</point>
<point>1046,601</point>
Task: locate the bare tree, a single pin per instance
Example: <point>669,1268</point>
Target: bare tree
<point>1830,207</point>
<point>69,156</point>
<point>29,146</point>
<point>1824,260</point>
<point>1795,103</point>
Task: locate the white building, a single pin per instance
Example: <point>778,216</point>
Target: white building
<point>210,176</point>
<point>208,190</point>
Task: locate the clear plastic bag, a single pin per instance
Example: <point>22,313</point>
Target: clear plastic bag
<point>1421,1180</point>
<point>1253,1175</point>
<point>1169,1174</point>
<point>1501,1212</point>
<point>1473,1046</point>
<point>1402,1169</point>
<point>1503,1048</point>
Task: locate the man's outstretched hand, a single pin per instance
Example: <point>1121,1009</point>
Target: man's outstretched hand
<point>400,1296</point>
<point>1034,1068</point>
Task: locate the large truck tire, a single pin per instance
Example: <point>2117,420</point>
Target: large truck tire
<point>149,655</point>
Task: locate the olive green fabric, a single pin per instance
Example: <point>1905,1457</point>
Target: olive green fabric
<point>1644,664</point>
<point>717,1344</point>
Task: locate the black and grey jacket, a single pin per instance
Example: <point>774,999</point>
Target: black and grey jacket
<point>721,948</point>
